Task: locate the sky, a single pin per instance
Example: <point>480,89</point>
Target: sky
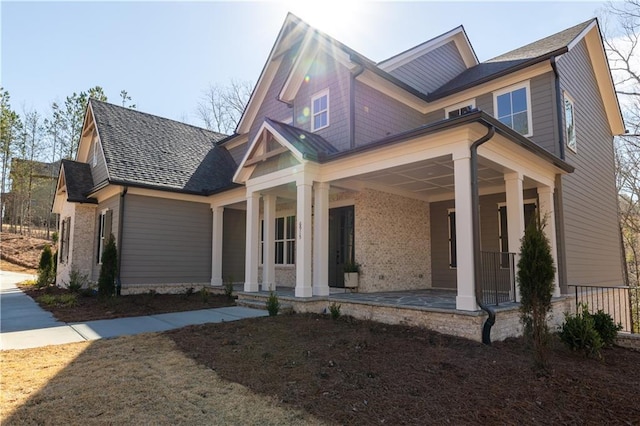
<point>165,54</point>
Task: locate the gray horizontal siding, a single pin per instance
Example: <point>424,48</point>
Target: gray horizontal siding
<point>237,152</point>
<point>379,116</point>
<point>432,69</point>
<point>165,241</point>
<point>99,171</point>
<point>592,241</point>
<point>234,243</point>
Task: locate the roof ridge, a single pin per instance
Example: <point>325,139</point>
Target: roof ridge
<point>131,110</point>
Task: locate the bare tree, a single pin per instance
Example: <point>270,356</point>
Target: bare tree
<point>622,39</point>
<point>221,107</point>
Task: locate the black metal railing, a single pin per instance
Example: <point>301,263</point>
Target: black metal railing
<point>621,302</point>
<point>498,281</point>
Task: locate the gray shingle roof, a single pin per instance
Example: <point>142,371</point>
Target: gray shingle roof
<point>311,145</point>
<point>146,150</point>
<point>524,56</point>
<point>78,180</point>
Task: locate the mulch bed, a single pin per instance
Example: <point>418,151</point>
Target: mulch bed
<point>358,372</point>
<point>94,308</point>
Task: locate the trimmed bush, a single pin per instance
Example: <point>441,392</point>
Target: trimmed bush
<point>334,310</point>
<point>45,267</point>
<point>77,280</point>
<point>606,327</point>
<point>535,279</point>
<point>109,269</point>
<point>273,304</point>
<point>579,333</point>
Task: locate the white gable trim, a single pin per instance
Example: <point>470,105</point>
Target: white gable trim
<point>582,35</point>
<point>243,173</point>
<point>84,148</point>
<point>457,35</point>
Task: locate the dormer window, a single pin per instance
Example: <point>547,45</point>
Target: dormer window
<point>460,109</point>
<point>512,106</point>
<point>320,110</point>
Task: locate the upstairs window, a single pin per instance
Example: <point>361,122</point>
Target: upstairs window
<point>460,109</point>
<point>512,106</point>
<point>569,122</point>
<point>320,110</point>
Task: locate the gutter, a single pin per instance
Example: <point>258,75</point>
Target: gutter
<point>120,226</point>
<point>554,66</point>
<point>475,216</point>
<point>352,102</point>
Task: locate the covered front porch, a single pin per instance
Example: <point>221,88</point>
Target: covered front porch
<point>412,216</point>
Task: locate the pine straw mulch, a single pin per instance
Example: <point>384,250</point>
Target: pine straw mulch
<point>90,308</point>
<point>140,379</point>
<point>21,250</point>
<point>358,372</point>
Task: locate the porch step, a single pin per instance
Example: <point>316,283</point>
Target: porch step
<point>285,308</point>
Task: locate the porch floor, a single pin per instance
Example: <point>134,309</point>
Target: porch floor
<point>427,299</point>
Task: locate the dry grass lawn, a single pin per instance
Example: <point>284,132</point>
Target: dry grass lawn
<point>130,380</point>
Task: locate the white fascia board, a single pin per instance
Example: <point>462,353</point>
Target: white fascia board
<point>82,154</point>
<point>457,35</point>
<point>386,87</point>
<point>299,69</point>
<point>582,34</point>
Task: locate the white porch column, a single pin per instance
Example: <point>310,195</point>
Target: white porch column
<point>466,300</point>
<point>216,245</point>
<point>321,239</point>
<point>303,238</point>
<point>252,257</point>
<point>269,257</point>
<point>545,199</point>
<point>515,216</point>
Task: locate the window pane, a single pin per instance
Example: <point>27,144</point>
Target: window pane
<point>454,113</point>
<point>519,100</point>
<point>291,227</point>
<point>520,123</point>
<point>291,252</point>
<point>316,105</point>
<point>504,236</point>
<point>504,105</point>
<point>320,120</point>
<point>279,253</point>
<point>507,120</point>
<point>323,103</point>
<point>280,228</point>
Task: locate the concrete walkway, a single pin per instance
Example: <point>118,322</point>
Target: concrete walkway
<point>23,324</point>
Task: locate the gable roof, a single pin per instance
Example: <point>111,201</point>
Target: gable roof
<point>145,150</point>
<point>514,60</point>
<point>311,145</point>
<point>78,180</point>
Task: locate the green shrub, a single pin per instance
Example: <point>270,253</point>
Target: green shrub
<point>45,267</point>
<point>273,304</point>
<point>68,300</point>
<point>606,327</point>
<point>334,310</point>
<point>77,280</point>
<point>204,294</point>
<point>579,333</point>
<point>109,269</point>
<point>54,267</point>
<point>535,279</point>
<point>54,237</point>
<point>188,292</point>
<point>228,287</point>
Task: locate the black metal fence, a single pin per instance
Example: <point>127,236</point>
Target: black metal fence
<point>498,281</point>
<point>621,302</point>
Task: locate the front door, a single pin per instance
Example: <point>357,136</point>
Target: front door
<point>341,243</point>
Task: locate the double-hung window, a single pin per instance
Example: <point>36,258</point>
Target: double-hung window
<point>570,122</point>
<point>320,110</point>
<point>512,106</point>
<point>285,241</point>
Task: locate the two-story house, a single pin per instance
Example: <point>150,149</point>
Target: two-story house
<point>339,159</point>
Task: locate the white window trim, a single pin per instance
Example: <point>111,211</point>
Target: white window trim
<point>527,85</point>
<point>567,96</point>
<point>315,96</point>
<point>449,239</point>
<point>102,220</point>
<point>470,103</point>
<point>285,215</point>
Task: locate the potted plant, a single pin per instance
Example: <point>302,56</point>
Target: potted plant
<point>351,271</point>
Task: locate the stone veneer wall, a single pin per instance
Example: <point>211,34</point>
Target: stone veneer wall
<point>81,238</point>
<point>392,242</point>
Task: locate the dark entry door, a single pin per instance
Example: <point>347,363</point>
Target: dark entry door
<point>341,247</point>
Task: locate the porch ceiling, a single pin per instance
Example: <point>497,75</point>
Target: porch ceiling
<point>428,178</point>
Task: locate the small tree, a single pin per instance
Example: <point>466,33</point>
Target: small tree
<point>45,267</point>
<point>535,278</point>
<point>109,269</point>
